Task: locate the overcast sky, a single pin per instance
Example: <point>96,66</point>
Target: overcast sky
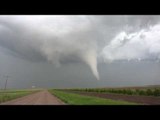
<point>79,51</point>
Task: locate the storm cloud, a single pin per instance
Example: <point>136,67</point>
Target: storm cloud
<point>142,45</point>
<point>88,39</point>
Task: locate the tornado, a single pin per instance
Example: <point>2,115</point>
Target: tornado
<point>90,58</point>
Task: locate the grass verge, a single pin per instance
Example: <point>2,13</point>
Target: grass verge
<point>9,95</point>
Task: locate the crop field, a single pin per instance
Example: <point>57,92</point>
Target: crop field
<point>76,99</point>
<point>82,96</point>
<point>143,91</point>
<point>146,95</point>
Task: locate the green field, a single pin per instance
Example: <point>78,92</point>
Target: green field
<point>75,99</point>
<point>13,94</point>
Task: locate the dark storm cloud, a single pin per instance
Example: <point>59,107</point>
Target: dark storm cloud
<point>74,39</point>
<point>103,29</point>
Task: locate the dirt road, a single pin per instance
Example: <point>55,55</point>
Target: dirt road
<point>146,100</point>
<point>39,98</point>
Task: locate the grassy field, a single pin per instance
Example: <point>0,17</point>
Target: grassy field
<point>75,99</point>
<point>13,94</point>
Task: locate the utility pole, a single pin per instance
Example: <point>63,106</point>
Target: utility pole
<point>6,82</point>
<point>0,82</point>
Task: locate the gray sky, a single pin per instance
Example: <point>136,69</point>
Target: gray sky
<point>79,51</point>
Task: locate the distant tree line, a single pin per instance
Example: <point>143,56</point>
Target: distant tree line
<point>145,92</point>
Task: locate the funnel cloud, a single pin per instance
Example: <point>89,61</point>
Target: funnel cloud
<point>51,38</point>
<point>60,39</point>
